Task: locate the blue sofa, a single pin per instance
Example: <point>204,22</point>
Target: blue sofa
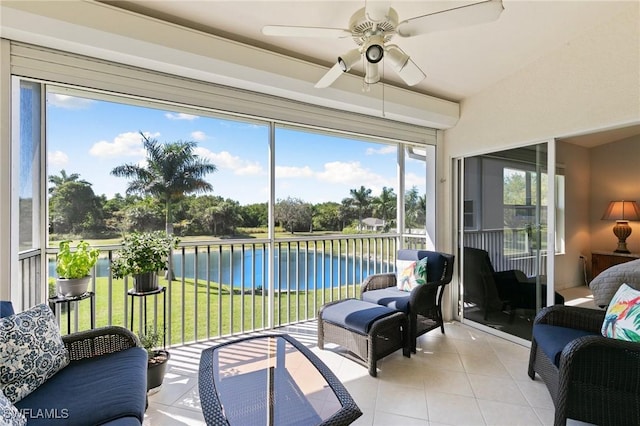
<point>105,382</point>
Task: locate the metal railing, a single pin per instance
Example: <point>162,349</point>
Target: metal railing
<point>510,249</point>
<point>225,287</point>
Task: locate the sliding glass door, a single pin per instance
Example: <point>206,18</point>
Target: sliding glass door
<point>507,205</point>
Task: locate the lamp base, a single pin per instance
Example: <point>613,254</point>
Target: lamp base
<point>622,230</point>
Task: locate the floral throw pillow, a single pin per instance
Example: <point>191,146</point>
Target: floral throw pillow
<point>31,351</point>
<point>622,320</point>
<point>411,273</point>
<point>9,414</point>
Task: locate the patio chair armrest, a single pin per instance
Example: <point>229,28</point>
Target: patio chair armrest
<point>597,362</point>
<point>378,281</point>
<point>99,341</point>
<point>571,317</point>
<point>422,295</point>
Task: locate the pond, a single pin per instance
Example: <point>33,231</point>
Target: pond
<point>294,270</point>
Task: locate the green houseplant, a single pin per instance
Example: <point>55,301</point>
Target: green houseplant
<point>157,358</point>
<point>142,256</point>
<point>73,267</point>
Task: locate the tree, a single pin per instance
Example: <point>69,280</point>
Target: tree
<point>255,215</point>
<point>73,207</point>
<point>293,214</point>
<point>385,204</point>
<point>171,171</point>
<point>58,181</point>
<point>327,216</point>
<point>411,207</point>
<point>361,201</point>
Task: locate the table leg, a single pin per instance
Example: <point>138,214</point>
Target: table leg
<point>132,299</point>
<point>68,317</point>
<point>93,311</point>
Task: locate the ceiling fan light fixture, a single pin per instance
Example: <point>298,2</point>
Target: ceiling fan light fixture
<point>374,49</point>
<point>349,59</point>
<point>396,57</point>
<point>404,66</point>
<point>372,75</point>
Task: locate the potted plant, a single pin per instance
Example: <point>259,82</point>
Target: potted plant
<point>158,358</point>
<point>73,268</point>
<point>142,256</point>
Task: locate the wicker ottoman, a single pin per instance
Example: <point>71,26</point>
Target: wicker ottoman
<point>368,330</point>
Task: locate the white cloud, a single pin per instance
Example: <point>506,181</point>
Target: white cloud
<point>68,102</point>
<point>225,160</point>
<point>383,150</point>
<point>348,173</point>
<point>412,179</point>
<point>180,116</point>
<point>125,144</point>
<point>198,135</point>
<point>283,172</point>
<point>57,158</point>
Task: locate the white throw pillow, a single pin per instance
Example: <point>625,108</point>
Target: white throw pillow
<point>622,320</point>
<point>411,273</point>
<point>9,414</point>
<point>31,351</point>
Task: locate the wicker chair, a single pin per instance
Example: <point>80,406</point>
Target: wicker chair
<point>423,304</point>
<point>592,378</point>
<point>498,291</point>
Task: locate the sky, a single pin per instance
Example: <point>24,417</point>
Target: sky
<point>91,137</point>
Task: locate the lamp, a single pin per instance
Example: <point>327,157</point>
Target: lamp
<point>373,49</point>
<point>404,66</point>
<point>349,59</point>
<point>622,212</point>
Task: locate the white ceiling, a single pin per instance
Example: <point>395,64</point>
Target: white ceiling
<point>458,63</point>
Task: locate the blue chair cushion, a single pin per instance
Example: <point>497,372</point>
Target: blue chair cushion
<point>355,315</point>
<point>391,297</point>
<point>552,339</point>
<point>6,309</point>
<point>92,391</point>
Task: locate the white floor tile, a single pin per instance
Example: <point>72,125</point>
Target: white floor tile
<point>465,377</point>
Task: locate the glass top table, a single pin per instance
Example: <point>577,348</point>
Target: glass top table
<point>271,380</point>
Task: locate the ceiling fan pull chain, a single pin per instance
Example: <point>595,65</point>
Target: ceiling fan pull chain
<point>383,85</point>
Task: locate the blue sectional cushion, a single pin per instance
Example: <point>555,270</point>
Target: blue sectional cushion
<point>391,297</point>
<point>6,308</point>
<point>552,339</point>
<point>91,391</point>
<point>355,315</point>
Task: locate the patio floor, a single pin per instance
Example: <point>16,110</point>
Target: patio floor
<point>465,377</point>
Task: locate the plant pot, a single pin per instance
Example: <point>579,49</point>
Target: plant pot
<point>156,369</point>
<point>71,287</point>
<point>143,283</point>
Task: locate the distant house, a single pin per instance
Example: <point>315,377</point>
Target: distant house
<point>372,224</point>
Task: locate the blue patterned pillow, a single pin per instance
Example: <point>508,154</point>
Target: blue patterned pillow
<point>31,351</point>
<point>9,414</point>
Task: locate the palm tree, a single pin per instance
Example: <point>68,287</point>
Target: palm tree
<point>63,178</point>
<point>361,200</point>
<point>171,171</point>
<point>385,204</point>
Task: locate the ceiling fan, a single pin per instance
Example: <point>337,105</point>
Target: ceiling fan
<point>373,27</point>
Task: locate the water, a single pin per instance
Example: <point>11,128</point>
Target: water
<point>293,270</point>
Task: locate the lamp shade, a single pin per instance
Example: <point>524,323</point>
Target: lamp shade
<point>622,210</point>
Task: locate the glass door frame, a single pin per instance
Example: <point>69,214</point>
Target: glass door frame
<point>458,169</point>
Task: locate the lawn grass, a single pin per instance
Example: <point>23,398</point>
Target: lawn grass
<point>228,312</point>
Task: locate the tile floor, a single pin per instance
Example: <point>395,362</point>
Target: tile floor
<point>465,377</point>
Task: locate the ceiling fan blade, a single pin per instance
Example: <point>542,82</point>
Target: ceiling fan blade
<point>472,14</point>
<point>331,76</point>
<point>377,11</point>
<point>290,31</point>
